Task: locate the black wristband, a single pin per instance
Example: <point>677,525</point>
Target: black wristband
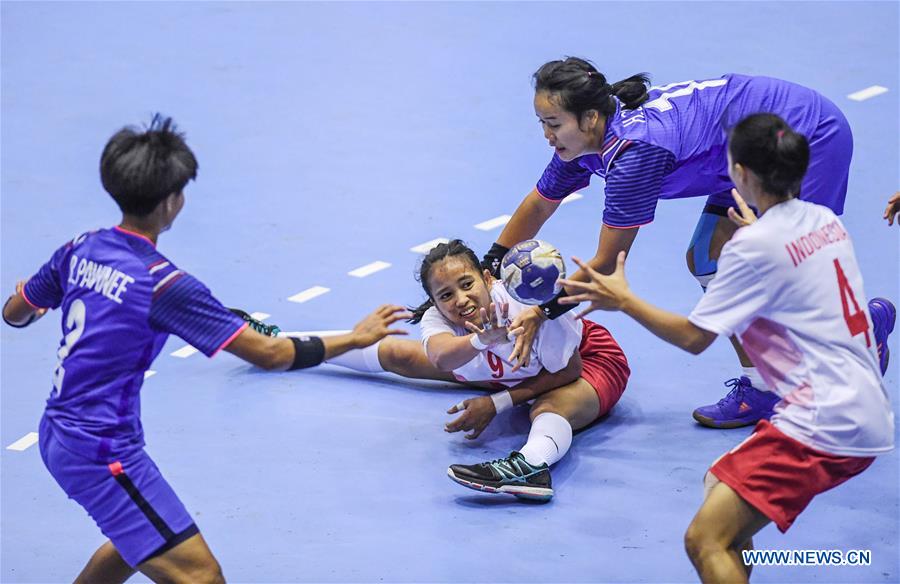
<point>553,309</point>
<point>308,352</point>
<point>492,259</point>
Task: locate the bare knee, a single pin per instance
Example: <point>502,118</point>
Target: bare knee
<point>542,406</point>
<point>698,544</point>
<point>398,356</point>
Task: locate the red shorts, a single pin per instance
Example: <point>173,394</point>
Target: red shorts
<point>603,365</point>
<point>779,476</point>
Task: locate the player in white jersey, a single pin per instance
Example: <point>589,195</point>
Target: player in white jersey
<point>578,375</point>
<point>789,287</point>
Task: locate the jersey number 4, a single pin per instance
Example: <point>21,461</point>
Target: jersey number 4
<point>75,323</point>
<point>857,322</point>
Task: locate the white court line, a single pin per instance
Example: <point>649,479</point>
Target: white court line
<point>867,93</point>
<point>429,245</point>
<point>572,197</point>
<point>309,294</point>
<point>149,373</point>
<point>184,352</point>
<point>493,223</point>
<point>369,269</point>
<point>312,333</point>
<point>25,442</point>
<point>259,315</point>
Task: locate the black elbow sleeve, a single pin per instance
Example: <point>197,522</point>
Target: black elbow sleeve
<point>308,352</point>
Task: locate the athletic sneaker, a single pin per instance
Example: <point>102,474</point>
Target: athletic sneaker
<point>512,475</point>
<point>884,314</point>
<point>743,406</point>
<point>269,330</point>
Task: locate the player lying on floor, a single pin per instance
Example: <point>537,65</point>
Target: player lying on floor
<point>578,376</point>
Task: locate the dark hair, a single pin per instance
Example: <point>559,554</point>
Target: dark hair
<point>581,87</point>
<point>439,253</point>
<point>775,153</point>
<point>141,168</point>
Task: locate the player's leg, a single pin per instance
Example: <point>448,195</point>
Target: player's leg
<point>724,525</point>
<point>191,561</point>
<point>526,473</point>
<point>555,415</point>
<point>106,565</point>
<point>747,402</point>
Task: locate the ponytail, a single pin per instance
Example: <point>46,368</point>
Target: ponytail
<point>580,87</point>
<point>419,311</point>
<point>632,92</point>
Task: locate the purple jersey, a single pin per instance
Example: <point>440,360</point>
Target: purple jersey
<point>674,144</point>
<point>120,300</point>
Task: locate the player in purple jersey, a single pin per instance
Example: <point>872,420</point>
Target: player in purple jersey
<point>666,142</point>
<point>120,299</point>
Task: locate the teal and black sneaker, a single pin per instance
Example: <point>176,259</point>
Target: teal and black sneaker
<point>512,475</point>
<point>270,330</point>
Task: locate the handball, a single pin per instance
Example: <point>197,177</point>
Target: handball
<point>530,270</point>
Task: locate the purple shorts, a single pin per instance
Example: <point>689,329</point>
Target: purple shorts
<point>129,499</point>
<point>830,151</point>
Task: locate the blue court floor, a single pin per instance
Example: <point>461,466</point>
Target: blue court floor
<point>334,135</point>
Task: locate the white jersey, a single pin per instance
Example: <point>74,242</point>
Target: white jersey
<point>552,348</point>
<point>789,286</point>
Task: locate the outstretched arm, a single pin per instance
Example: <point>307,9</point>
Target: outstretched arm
<point>528,219</point>
<point>280,354</point>
<point>612,293</point>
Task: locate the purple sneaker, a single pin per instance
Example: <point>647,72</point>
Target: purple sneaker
<point>884,314</point>
<point>743,406</point>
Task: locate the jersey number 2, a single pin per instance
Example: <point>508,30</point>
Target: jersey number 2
<point>75,323</point>
<point>856,321</point>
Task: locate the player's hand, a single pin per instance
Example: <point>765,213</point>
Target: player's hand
<point>494,329</point>
<point>744,216</point>
<point>477,413</point>
<point>377,325</point>
<point>893,207</point>
<point>603,292</point>
<point>527,323</point>
<point>20,290</point>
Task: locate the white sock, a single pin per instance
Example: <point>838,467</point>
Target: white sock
<point>365,360</point>
<point>756,379</point>
<point>549,439</point>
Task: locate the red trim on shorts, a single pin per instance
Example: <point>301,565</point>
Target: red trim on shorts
<point>603,365</point>
<point>116,468</point>
<point>780,476</point>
